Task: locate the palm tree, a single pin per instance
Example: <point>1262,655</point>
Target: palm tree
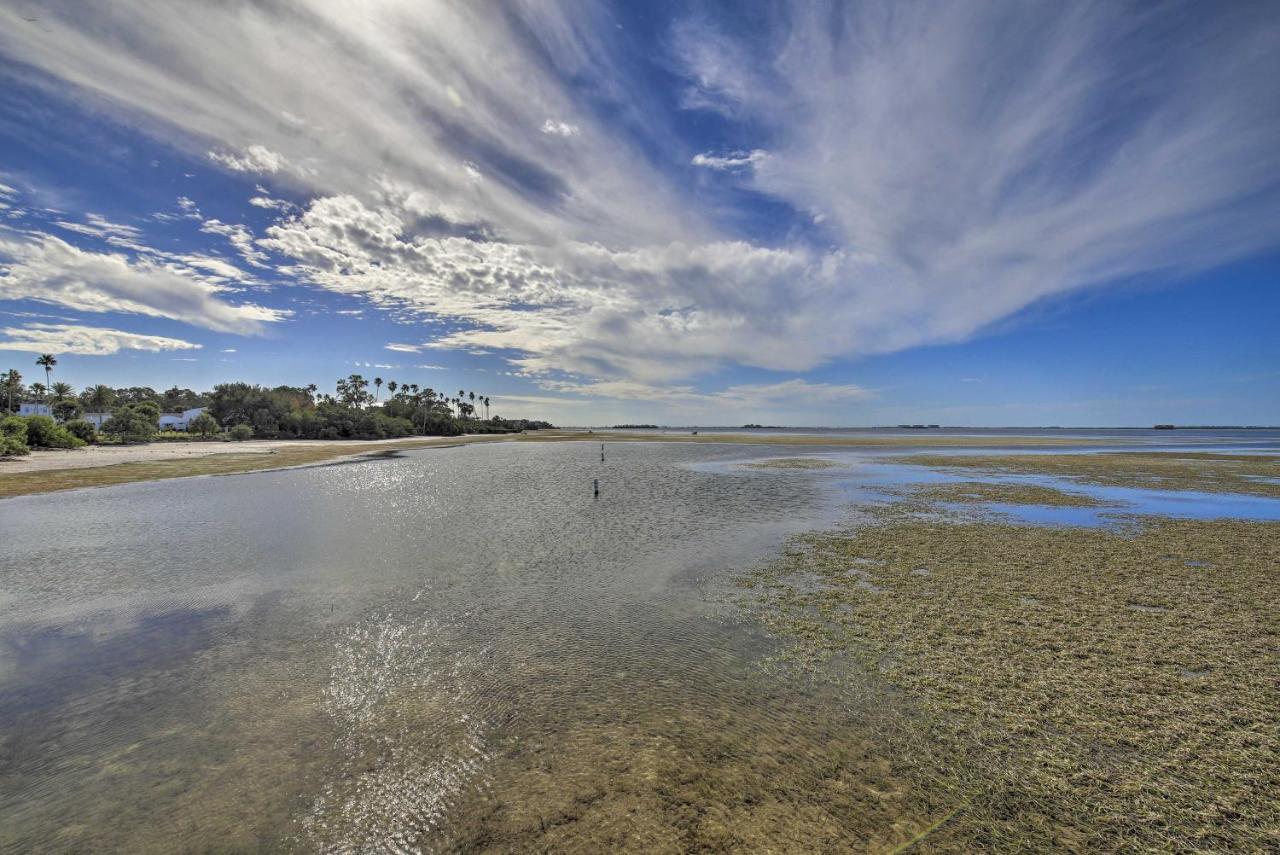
<point>47,361</point>
<point>100,398</point>
<point>62,391</point>
<point>392,386</point>
<point>472,395</point>
<point>12,383</point>
<point>377,388</point>
<point>486,407</point>
<point>38,390</point>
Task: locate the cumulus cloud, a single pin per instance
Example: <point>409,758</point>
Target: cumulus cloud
<point>85,341</point>
<point>255,158</point>
<point>47,269</point>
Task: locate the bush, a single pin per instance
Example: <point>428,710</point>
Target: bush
<point>44,432</point>
<point>13,437</point>
<point>81,430</point>
<point>239,433</point>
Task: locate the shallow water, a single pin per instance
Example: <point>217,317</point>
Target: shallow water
<point>447,649</point>
<point>364,655</point>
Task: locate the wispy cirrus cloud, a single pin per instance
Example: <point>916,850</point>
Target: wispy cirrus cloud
<point>963,162</point>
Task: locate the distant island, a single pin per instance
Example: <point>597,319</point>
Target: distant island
<point>918,427</point>
<point>635,427</point>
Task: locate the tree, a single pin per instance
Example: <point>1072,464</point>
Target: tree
<point>392,386</point>
<point>13,385</point>
<point>352,391</point>
<point>38,390</point>
<point>377,388</point>
<point>66,409</point>
<point>486,406</point>
<point>204,425</point>
<point>62,391</point>
<point>472,397</point>
<point>47,361</point>
<point>98,399</point>
<point>241,432</point>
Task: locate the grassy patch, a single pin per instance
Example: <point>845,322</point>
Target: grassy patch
<point>1095,690</point>
<point>794,463</point>
<point>982,492</point>
<point>1203,471</point>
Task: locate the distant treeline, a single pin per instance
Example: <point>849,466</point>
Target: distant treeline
<point>635,427</point>
<point>244,411</point>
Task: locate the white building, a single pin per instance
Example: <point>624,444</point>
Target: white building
<point>35,409</point>
<point>179,421</point>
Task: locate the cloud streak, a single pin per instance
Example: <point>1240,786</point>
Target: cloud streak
<point>84,340</point>
<point>954,164</point>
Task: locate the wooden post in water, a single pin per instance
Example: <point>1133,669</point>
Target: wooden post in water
<point>602,452</point>
<point>596,484</point>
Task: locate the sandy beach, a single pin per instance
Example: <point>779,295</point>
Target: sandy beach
<point>92,456</point>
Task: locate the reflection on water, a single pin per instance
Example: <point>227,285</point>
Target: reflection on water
<point>358,655</point>
<point>450,649</point>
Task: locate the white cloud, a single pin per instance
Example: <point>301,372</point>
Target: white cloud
<point>731,161</point>
<point>270,204</point>
<point>404,348</point>
<point>956,178</point>
<point>82,340</point>
<point>560,129</point>
<point>228,350</point>
<point>49,270</point>
<point>255,158</point>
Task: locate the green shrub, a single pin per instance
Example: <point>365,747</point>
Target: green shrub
<point>134,422</point>
<point>239,433</point>
<point>13,437</point>
<point>82,430</point>
<point>44,432</point>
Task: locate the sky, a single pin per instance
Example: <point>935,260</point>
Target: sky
<point>855,213</point>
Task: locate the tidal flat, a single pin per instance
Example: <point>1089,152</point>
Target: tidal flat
<point>1107,688</point>
<point>731,648</point>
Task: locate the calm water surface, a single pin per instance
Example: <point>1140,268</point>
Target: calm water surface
<point>455,649</point>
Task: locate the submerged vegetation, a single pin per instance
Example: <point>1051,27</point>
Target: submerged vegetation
<point>1256,474</point>
<point>794,463</point>
<point>1070,688</point>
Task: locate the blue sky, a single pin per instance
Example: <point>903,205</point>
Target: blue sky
<point>857,213</point>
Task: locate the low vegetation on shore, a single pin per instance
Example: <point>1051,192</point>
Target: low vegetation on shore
<point>241,411</point>
<point>1080,689</point>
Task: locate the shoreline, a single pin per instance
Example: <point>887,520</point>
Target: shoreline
<point>55,470</point>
